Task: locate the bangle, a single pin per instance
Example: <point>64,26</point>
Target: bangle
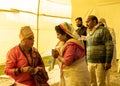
<point>16,71</point>
<point>19,70</point>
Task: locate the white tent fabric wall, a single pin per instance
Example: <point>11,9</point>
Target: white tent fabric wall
<point>25,13</point>
<point>47,34</point>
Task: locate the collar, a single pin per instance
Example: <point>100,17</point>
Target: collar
<point>93,30</point>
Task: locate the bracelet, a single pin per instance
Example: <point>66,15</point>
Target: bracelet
<point>16,71</point>
<point>19,70</point>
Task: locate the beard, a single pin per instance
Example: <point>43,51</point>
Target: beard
<point>79,25</point>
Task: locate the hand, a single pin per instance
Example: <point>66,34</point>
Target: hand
<point>107,66</point>
<point>55,53</point>
<point>28,69</point>
<point>37,69</point>
<point>83,37</point>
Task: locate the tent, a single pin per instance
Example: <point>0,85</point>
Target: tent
<point>43,15</point>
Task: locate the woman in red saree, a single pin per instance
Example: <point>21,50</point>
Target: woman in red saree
<point>74,71</point>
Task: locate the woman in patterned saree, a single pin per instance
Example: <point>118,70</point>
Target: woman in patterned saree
<point>74,71</point>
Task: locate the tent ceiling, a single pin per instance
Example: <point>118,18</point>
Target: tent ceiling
<point>66,2</point>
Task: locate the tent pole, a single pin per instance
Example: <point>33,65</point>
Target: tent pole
<point>38,22</point>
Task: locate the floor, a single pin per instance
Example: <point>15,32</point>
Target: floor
<point>54,77</point>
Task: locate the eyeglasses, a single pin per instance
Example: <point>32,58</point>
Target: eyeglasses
<point>30,38</point>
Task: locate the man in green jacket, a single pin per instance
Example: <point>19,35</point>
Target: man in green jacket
<point>99,51</point>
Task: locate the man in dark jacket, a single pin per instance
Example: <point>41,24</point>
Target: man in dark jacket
<point>81,30</point>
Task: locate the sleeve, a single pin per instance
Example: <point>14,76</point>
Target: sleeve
<point>10,64</point>
<point>69,54</point>
<point>78,32</point>
<point>109,45</point>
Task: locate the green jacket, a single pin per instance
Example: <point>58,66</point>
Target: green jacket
<point>99,46</point>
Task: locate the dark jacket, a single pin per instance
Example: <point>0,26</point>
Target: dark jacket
<point>82,31</point>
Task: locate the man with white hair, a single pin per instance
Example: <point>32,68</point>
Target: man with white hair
<point>102,22</point>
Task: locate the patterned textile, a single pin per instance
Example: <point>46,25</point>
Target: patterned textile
<point>17,59</point>
<point>99,46</point>
<point>74,72</point>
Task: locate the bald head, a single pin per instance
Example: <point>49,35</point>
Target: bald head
<point>91,21</point>
<point>93,18</point>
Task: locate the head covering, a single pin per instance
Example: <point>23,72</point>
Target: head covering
<point>25,32</point>
<point>68,28</point>
<point>102,20</point>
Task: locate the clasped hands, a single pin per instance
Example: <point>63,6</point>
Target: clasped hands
<point>30,69</point>
<point>55,53</point>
